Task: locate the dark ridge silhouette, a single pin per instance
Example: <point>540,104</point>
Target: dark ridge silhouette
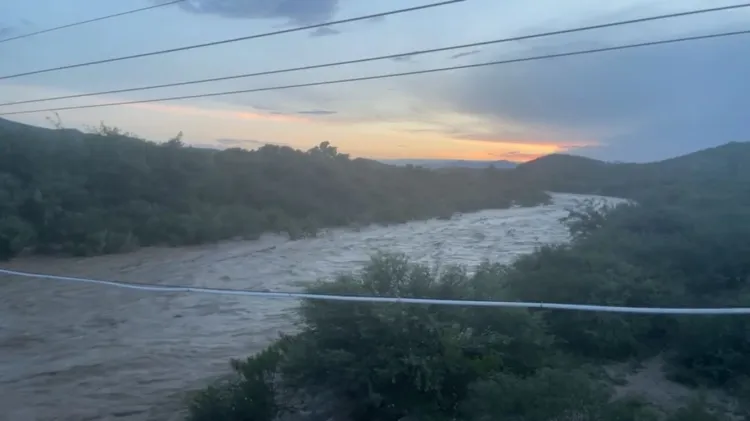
<point>64,191</point>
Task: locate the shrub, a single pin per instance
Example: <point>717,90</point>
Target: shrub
<point>392,360</point>
<point>551,394</point>
<point>250,395</point>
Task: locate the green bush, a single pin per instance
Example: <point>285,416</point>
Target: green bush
<point>696,411</point>
<point>65,191</point>
<point>551,394</point>
<point>393,359</point>
<point>250,395</point>
<point>389,362</point>
<point>685,244</point>
<point>711,350</point>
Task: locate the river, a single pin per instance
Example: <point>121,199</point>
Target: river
<point>76,352</point>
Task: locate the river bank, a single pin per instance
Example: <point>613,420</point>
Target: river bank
<point>79,352</point>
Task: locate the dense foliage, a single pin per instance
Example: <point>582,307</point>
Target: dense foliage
<point>66,191</point>
<point>698,178</point>
<point>685,242</point>
<point>389,362</point>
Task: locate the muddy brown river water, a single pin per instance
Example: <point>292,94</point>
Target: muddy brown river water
<point>76,352</point>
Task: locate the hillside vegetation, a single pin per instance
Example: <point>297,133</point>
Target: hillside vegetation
<point>70,192</point>
<point>717,172</point>
<point>685,243</point>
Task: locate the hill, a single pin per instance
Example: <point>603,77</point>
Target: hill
<point>558,164</point>
<point>8,126</point>
<point>675,176</point>
<point>560,172</point>
<point>703,161</point>
<point>72,192</point>
<point>722,161</point>
<point>684,244</point>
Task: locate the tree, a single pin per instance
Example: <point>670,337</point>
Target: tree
<point>108,191</point>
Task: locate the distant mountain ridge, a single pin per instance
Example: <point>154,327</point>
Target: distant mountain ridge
<point>561,169</point>
<point>15,126</point>
<point>576,174</point>
<point>426,163</point>
<point>722,158</point>
<point>70,192</point>
<point>450,163</point>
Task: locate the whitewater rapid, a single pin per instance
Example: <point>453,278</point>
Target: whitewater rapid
<point>74,352</point>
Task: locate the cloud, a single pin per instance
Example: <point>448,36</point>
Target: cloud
<point>273,111</point>
<point>324,31</point>
<point>502,136</point>
<point>300,12</point>
<point>466,53</point>
<point>203,145</point>
<point>514,156</point>
<point>641,104</point>
<point>251,143</point>
<point>235,142</point>
<point>317,112</point>
<point>404,58</point>
<point>7,31</point>
<point>268,115</point>
<point>263,107</point>
<point>475,130</point>
<point>376,19</point>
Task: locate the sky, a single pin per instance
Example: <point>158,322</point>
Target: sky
<point>637,105</point>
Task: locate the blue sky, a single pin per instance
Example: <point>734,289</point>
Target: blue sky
<point>637,105</point>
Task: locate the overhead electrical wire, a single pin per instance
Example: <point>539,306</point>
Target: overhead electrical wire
<point>385,57</point>
<point>395,300</point>
<point>390,75</point>
<point>231,40</point>
<point>83,22</point>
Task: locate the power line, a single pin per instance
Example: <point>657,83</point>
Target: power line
<point>70,25</point>
<point>396,300</point>
<point>227,41</point>
<point>386,57</point>
<point>391,75</point>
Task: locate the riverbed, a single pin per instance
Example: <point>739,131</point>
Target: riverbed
<point>75,352</point>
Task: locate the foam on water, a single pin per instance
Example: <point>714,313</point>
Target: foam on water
<point>86,352</point>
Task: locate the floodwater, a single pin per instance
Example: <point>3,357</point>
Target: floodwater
<point>75,352</point>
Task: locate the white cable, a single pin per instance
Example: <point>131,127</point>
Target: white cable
<point>471,303</point>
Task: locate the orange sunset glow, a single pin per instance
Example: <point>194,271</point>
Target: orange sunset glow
<point>371,139</point>
<point>204,123</point>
